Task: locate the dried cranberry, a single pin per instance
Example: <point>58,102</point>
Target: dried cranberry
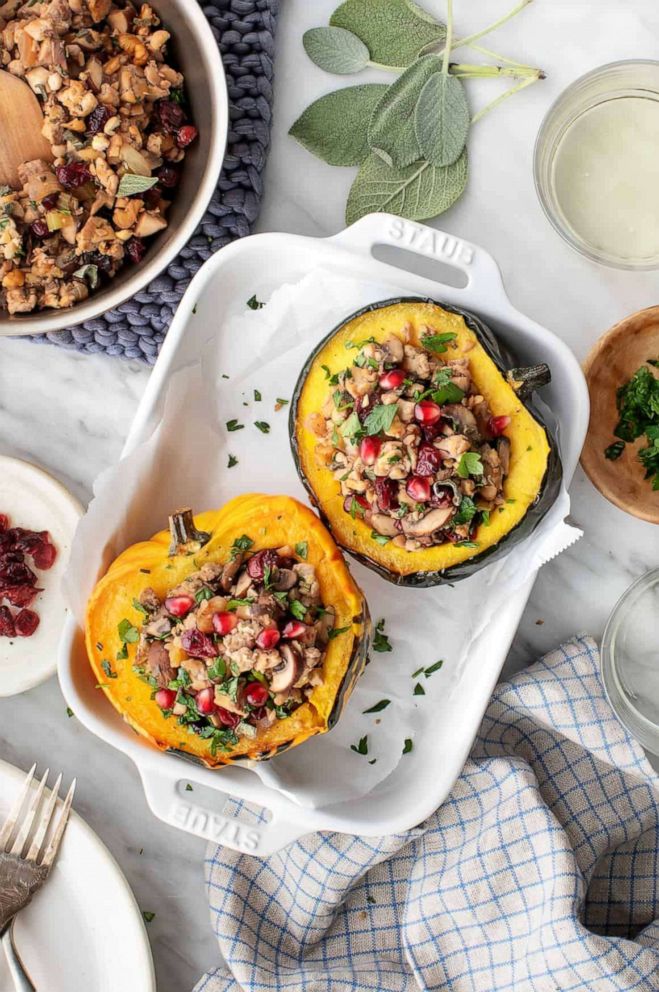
<point>104,262</point>
<point>168,176</point>
<point>135,249</point>
<point>186,135</point>
<point>30,540</point>
<point>258,563</point>
<point>386,492</point>
<point>432,431</point>
<point>19,595</point>
<point>50,202</point>
<point>73,174</point>
<point>16,573</point>
<point>197,645</point>
<point>44,556</point>
<point>98,119</point>
<point>26,623</point>
<point>170,115</point>
<point>152,197</point>
<point>7,626</point>
<point>429,460</point>
<point>11,555</point>
<point>39,228</point>
<point>4,522</point>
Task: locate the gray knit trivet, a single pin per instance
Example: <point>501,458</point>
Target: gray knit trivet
<point>245,31</point>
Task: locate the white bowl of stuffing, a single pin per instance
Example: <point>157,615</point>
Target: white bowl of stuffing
<point>136,115</point>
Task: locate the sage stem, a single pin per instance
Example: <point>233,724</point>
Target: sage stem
<point>481,34</point>
<point>504,96</point>
<point>467,71</point>
<point>499,58</point>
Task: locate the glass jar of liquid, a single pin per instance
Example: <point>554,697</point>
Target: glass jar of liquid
<point>597,165</point>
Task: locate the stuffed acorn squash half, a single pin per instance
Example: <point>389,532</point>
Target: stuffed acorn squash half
<point>419,444</point>
<point>238,634</point>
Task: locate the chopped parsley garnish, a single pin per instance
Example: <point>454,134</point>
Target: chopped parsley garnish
<point>466,511</point>
<point>337,631</point>
<point>262,426</point>
<point>148,916</point>
<point>217,670</point>
<point>279,403</point>
<point>380,418</point>
<point>433,668</point>
<point>233,604</point>
<point>140,609</point>
<point>232,461</point>
<point>302,549</point>
<point>243,543</point>
<point>466,544</point>
<point>69,711</point>
<point>332,378</point>
<point>188,788</point>
<point>638,407</point>
<point>234,425</point>
<point>438,342</point>
<point>378,707</point>
<point>352,427</point>
<point>408,745</point>
<point>614,450</point>
<point>257,396</point>
<point>254,304</point>
<point>470,464</point>
<point>380,639</point>
<point>202,594</point>
<point>379,538</point>
<point>107,668</point>
<point>127,633</point>
<point>298,609</point>
<point>362,747</point>
<point>419,690</point>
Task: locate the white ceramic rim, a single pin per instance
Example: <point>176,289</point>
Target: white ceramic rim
<point>644,730</point>
<point>31,678</point>
<point>577,244</point>
<point>145,977</point>
<point>150,269</point>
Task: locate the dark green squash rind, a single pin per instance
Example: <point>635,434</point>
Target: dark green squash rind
<point>547,494</point>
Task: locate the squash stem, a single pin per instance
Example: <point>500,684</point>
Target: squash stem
<point>186,539</point>
<point>526,380</point>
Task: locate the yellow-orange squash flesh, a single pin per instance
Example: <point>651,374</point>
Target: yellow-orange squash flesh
<point>271,522</point>
<point>531,451</point>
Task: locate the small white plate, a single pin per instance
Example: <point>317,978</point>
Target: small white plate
<point>83,930</point>
<point>33,499</point>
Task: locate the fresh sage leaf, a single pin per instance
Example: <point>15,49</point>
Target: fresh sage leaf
<point>441,119</point>
<point>335,127</point>
<point>336,50</point>
<point>392,132</point>
<point>130,184</point>
<point>394,31</point>
<point>417,192</point>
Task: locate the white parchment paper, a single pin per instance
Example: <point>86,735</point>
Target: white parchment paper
<point>184,462</point>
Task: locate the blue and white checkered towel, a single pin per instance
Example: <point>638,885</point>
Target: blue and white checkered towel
<point>538,874</point>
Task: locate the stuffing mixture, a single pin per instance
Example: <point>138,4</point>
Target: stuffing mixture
<point>415,448</point>
<point>115,117</point>
<point>236,647</point>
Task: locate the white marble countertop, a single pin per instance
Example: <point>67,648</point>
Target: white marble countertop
<point>70,413</point>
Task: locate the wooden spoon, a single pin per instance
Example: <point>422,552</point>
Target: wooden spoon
<point>612,362</point>
<point>21,121</point>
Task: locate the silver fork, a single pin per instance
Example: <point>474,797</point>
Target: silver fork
<point>22,874</point>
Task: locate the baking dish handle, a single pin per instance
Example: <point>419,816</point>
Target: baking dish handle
<point>482,272</point>
<point>182,810</point>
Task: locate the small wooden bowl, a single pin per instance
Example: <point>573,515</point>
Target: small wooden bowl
<point>612,362</point>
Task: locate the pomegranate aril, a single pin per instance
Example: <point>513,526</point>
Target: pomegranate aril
<point>268,639</point>
<point>369,449</point>
<point>205,701</point>
<point>427,412</point>
<point>393,379</point>
<point>228,718</point>
<point>178,606</point>
<point>258,563</point>
<point>386,492</point>
<point>186,135</point>
<point>356,504</point>
<point>256,694</point>
<point>135,249</point>
<point>7,627</point>
<point>198,645</point>
<point>26,622</point>
<point>428,460</point>
<point>165,698</point>
<point>224,623</point>
<point>418,488</point>
<point>44,556</point>
<point>72,175</point>
<point>294,629</point>
<point>497,425</point>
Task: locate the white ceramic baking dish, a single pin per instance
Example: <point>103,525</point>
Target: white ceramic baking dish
<point>260,264</point>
